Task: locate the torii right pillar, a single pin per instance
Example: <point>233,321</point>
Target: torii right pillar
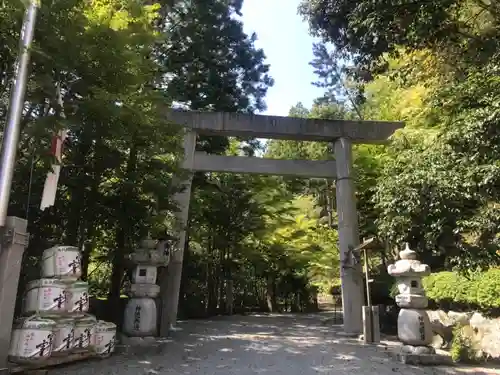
<point>350,269</point>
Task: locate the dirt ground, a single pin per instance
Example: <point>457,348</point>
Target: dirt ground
<point>291,344</point>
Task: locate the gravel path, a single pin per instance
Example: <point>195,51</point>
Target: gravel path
<point>260,344</point>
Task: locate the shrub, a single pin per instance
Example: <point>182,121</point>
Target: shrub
<point>487,289</point>
<point>461,347</point>
<point>447,288</point>
<point>451,290</point>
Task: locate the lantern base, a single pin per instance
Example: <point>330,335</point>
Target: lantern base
<point>419,350</point>
<point>414,359</point>
<point>414,327</point>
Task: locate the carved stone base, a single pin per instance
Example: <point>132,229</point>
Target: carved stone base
<point>419,356</point>
<point>420,359</point>
<point>419,350</point>
<point>140,345</point>
<point>414,327</point>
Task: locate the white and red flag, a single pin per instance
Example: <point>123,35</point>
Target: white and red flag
<point>50,188</point>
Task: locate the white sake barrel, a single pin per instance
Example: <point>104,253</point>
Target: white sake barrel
<point>84,332</point>
<point>144,290</point>
<point>105,338</point>
<point>77,298</point>
<point>46,297</point>
<point>31,339</point>
<point>62,262</point>
<point>64,335</point>
<point>144,274</point>
<point>140,317</point>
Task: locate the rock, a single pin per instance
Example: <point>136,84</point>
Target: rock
<point>439,317</point>
<point>135,341</point>
<point>438,342</point>
<point>473,342</point>
<point>149,340</point>
<point>478,320</point>
<point>486,335</point>
<point>459,318</point>
<point>442,325</point>
<point>418,350</point>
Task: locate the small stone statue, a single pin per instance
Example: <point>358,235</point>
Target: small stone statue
<point>414,326</point>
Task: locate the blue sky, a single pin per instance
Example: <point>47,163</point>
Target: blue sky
<point>285,40</point>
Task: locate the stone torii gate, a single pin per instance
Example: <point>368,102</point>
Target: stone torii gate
<point>341,132</point>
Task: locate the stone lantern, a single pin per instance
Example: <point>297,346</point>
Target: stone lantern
<point>141,310</point>
<point>414,326</point>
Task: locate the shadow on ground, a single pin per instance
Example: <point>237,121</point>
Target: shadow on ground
<point>259,344</point>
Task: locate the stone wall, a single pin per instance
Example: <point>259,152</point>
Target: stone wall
<point>483,332</point>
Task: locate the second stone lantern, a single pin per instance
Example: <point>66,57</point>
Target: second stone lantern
<point>141,313</point>
<point>414,326</point>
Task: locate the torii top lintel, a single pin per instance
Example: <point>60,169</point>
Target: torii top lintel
<point>278,127</point>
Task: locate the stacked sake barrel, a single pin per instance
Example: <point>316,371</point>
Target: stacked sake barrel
<point>140,318</point>
<point>55,309</point>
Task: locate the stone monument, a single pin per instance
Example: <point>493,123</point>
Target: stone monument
<point>141,311</point>
<point>414,326</point>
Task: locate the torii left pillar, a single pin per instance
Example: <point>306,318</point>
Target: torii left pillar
<point>14,242</point>
<point>350,271</point>
<point>170,285</point>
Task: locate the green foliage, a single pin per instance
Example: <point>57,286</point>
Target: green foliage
<point>119,63</point>
<point>479,290</point>
<point>434,66</point>
<point>463,31</point>
<point>440,194</point>
<point>210,63</point>
<point>461,347</point>
<point>448,287</point>
<point>487,289</point>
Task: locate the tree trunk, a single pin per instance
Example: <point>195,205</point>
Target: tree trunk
<point>118,262</point>
<point>78,200</point>
<point>329,205</point>
<point>211,285</point>
<point>87,240</point>
<point>271,293</point>
<point>118,265</point>
<point>229,297</point>
<point>86,251</point>
<point>229,283</point>
<point>222,281</point>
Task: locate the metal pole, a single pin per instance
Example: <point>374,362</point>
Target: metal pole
<point>12,128</point>
<point>368,297</point>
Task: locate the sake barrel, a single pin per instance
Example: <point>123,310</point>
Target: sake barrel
<point>62,262</point>
<point>105,338</point>
<point>46,297</point>
<point>32,339</point>
<point>84,332</point>
<point>64,335</point>
<point>77,298</point>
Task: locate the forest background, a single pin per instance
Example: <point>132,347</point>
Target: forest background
<point>120,63</point>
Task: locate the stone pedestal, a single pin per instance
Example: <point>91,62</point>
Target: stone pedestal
<point>414,326</point>
<point>371,325</point>
<point>141,310</point>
